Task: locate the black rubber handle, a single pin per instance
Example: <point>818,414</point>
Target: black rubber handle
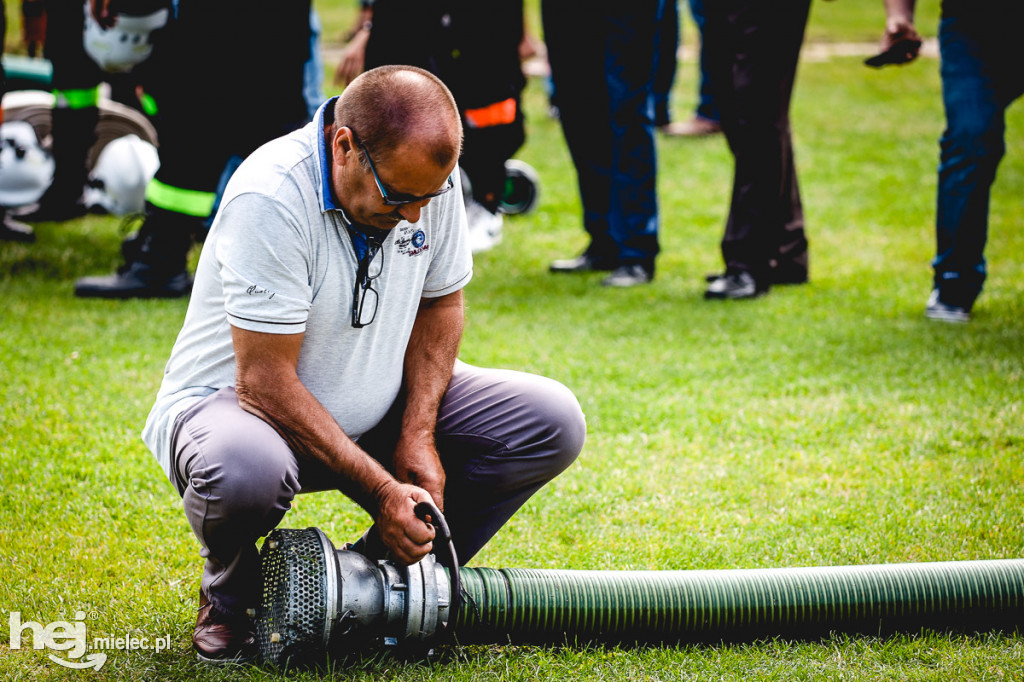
<point>429,509</point>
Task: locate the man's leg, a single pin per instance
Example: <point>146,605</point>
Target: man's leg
<point>501,435</point>
<point>754,50</point>
<point>975,99</point>
<point>706,106</point>
<point>576,44</point>
<point>75,114</point>
<point>237,478</point>
<point>630,58</point>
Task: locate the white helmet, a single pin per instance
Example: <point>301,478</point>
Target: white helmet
<point>124,44</point>
<point>26,169</point>
<point>117,183</point>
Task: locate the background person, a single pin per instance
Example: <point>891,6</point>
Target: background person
<point>603,65</point>
<point>213,58</point>
<point>705,119</point>
<point>980,79</point>
<point>474,48</point>
<point>753,50</point>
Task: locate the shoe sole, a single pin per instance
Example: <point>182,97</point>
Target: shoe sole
<point>124,296</point>
<point>942,316</point>
<point>715,296</point>
<point>238,660</point>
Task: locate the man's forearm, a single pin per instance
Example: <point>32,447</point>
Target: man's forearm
<point>268,387</point>
<point>310,430</point>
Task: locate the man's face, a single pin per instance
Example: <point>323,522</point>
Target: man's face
<point>407,172</point>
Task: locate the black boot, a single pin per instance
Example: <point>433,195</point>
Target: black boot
<point>155,260</point>
<point>74,133</point>
<point>13,231</point>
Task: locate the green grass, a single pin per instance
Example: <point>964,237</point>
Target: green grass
<point>829,424</point>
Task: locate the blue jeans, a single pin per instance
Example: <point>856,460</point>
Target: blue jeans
<point>979,81</point>
<point>603,68</point>
<point>706,106</point>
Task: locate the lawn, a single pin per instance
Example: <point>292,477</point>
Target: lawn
<point>828,424</point>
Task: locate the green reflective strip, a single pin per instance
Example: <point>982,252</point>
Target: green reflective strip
<point>188,201</point>
<point>77,99</point>
<point>148,104</point>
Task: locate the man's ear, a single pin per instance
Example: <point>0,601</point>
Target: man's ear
<point>342,144</point>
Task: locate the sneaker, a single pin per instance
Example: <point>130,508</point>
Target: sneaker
<point>484,227</point>
<point>698,126</point>
<point>221,638</point>
<point>582,263</point>
<point>937,310</point>
<point>734,286</point>
<point>628,276</point>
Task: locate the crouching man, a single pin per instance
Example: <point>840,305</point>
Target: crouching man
<point>319,353</point>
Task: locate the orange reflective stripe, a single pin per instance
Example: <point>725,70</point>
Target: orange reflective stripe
<point>497,114</point>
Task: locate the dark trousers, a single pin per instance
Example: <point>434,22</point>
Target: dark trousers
<point>603,63</point>
<point>474,48</point>
<point>501,436</point>
<point>753,49</point>
<point>226,77</point>
<point>978,84</point>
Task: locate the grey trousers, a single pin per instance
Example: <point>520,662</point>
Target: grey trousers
<point>501,435</point>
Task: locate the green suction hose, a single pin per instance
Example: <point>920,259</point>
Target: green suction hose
<point>549,606</point>
<point>319,599</point>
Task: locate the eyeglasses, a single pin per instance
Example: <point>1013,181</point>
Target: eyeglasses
<point>396,198</point>
<point>364,296</point>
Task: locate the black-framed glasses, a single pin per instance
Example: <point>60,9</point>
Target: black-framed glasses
<point>364,296</point>
<point>396,198</point>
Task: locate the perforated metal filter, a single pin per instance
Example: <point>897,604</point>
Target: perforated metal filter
<point>293,622</point>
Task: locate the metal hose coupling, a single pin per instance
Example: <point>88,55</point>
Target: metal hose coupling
<point>318,600</point>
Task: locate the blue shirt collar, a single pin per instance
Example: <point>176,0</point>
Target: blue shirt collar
<point>325,116</point>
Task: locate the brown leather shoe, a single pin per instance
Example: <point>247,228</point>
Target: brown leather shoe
<point>696,127</point>
<point>222,638</point>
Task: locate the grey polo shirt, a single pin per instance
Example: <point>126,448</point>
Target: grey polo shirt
<point>279,259</point>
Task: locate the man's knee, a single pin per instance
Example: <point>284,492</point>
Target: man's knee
<point>561,425</point>
<point>239,470</point>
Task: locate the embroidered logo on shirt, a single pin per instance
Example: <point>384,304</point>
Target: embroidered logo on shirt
<point>411,241</point>
<point>254,290</point>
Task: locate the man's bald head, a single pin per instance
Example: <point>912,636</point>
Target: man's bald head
<point>391,106</point>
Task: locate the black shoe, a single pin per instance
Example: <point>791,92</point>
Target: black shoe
<point>582,263</point>
<point>734,285</point>
<point>788,274</point>
<point>628,276</point>
<point>135,281</point>
<point>54,211</point>
<point>13,231</point>
<point>944,312</point>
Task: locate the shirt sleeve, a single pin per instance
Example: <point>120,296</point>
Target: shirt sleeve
<point>451,266</point>
<point>264,255</point>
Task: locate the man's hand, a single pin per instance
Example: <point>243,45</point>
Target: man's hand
<point>418,463</point>
<point>900,42</point>
<point>408,537</point>
<point>353,59</point>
